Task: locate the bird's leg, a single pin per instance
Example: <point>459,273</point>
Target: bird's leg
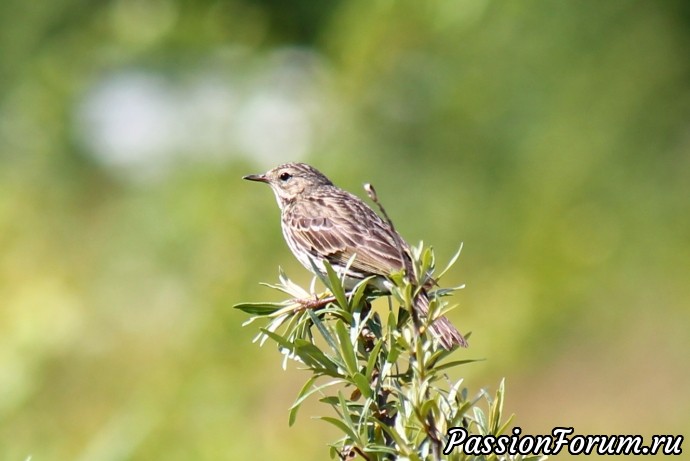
<point>314,303</point>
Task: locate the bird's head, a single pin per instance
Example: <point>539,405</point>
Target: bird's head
<point>290,180</point>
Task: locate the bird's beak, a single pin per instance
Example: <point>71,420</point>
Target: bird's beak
<point>256,177</point>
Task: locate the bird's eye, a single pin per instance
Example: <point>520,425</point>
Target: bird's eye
<point>285,176</point>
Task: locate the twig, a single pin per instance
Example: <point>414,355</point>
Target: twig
<point>402,248</point>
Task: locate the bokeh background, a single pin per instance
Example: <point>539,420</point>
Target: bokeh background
<point>552,138</point>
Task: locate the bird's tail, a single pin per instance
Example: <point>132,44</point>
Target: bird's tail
<point>445,333</point>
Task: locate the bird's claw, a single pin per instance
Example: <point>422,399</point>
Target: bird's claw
<point>314,303</point>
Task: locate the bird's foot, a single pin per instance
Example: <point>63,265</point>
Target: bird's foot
<point>314,303</point>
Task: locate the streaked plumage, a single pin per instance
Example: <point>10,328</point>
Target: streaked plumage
<point>323,222</point>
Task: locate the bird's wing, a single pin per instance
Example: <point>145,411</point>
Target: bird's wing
<point>340,225</point>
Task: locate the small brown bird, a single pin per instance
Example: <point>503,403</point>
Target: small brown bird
<point>322,222</point>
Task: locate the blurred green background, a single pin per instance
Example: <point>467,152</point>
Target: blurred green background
<point>552,138</point>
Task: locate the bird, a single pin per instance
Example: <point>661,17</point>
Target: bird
<point>322,222</point>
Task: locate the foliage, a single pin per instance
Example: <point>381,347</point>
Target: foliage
<point>381,373</point>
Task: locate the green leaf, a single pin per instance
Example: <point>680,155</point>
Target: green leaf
<point>375,448</point>
<point>279,339</point>
<point>534,458</point>
<point>481,420</point>
<point>342,426</point>
<point>346,349</point>
<point>282,276</point>
<point>308,359</point>
<point>427,263</point>
<point>307,390</point>
<point>373,357</point>
<point>397,277</point>
<point>337,312</point>
<point>308,352</point>
<point>259,308</point>
<point>427,407</point>
<point>392,433</point>
<point>336,287</point>
<point>331,400</point>
<point>455,363</point>
<point>358,292</point>
<point>451,263</point>
<point>303,393</point>
<point>460,413</point>
<point>363,385</point>
<point>393,354</point>
<point>317,270</point>
<point>346,416</point>
<point>505,425</point>
<point>323,330</point>
<point>497,409</point>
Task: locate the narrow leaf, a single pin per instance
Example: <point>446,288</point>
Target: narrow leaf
<point>342,426</point>
<point>373,357</point>
<point>505,425</point>
<point>358,292</point>
<point>336,286</point>
<point>307,391</point>
<point>455,363</point>
<point>279,339</point>
<point>346,349</point>
<point>376,448</point>
<point>427,263</point>
<point>497,409</point>
<point>331,400</point>
<point>363,385</point>
<point>309,352</point>
<point>347,418</point>
<point>322,329</point>
<point>451,263</point>
<point>392,433</point>
<point>300,398</point>
<point>319,273</point>
<point>259,308</point>
<point>480,419</point>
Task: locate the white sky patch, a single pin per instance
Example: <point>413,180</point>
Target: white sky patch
<point>141,123</point>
